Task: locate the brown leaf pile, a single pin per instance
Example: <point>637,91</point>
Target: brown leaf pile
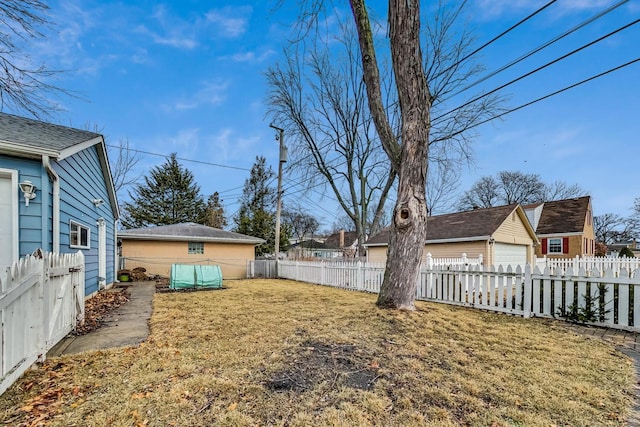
<point>97,308</point>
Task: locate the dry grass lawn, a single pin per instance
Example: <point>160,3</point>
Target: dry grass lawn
<point>267,352</point>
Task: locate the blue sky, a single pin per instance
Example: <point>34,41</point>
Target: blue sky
<point>187,77</point>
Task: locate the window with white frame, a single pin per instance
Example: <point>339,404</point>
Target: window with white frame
<point>196,248</point>
<point>555,246</point>
<point>79,236</point>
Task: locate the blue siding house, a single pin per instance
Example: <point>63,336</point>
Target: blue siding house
<point>56,193</point>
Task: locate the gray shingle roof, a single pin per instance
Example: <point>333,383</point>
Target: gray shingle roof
<point>460,225</point>
<point>40,135</point>
<point>187,231</point>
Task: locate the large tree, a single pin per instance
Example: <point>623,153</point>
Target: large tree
<point>168,195</point>
<point>25,87</point>
<point>256,215</point>
<point>319,97</point>
<point>417,83</point>
<point>509,187</point>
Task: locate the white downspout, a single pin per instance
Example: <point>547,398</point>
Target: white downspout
<point>46,162</point>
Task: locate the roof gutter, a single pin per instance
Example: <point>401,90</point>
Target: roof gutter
<point>53,175</point>
<point>189,239</point>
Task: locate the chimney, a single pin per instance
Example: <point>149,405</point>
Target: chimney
<point>341,239</point>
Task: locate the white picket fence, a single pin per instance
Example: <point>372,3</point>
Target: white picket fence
<point>41,301</point>
<point>606,299</point>
<point>602,264</point>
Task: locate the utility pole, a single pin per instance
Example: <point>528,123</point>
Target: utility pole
<point>283,159</point>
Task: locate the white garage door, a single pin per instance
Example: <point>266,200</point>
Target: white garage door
<point>513,255</point>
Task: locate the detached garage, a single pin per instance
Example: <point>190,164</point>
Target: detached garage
<point>157,248</point>
<point>502,235</point>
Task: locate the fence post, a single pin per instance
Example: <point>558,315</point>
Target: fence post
<point>429,261</point>
<point>527,287</point>
<point>45,291</point>
<point>480,259</point>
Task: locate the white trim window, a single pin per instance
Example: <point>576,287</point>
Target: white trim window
<point>79,236</point>
<point>555,246</point>
<point>196,248</point>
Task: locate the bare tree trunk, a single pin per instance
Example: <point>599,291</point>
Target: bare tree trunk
<point>409,225</point>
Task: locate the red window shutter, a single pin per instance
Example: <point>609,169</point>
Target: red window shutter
<point>544,246</point>
<point>565,245</point>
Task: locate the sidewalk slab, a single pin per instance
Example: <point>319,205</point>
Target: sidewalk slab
<point>128,325</point>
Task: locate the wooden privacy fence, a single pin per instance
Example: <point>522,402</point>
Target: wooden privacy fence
<point>602,299</point>
<point>41,301</point>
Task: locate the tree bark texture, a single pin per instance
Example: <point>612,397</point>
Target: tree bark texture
<point>371,76</point>
<point>409,226</point>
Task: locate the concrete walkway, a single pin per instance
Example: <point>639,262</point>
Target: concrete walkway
<point>127,325</point>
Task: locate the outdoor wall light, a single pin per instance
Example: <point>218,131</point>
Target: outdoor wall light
<point>29,191</point>
<point>97,202</point>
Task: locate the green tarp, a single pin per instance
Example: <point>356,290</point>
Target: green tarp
<point>195,276</point>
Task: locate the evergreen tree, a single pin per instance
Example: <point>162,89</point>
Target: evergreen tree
<point>214,215</point>
<point>256,216</point>
<point>168,195</point>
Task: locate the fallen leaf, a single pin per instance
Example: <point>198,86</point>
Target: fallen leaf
<point>233,406</point>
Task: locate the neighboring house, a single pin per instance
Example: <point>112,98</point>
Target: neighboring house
<point>614,248</point>
<point>72,205</point>
<point>342,244</point>
<point>564,227</point>
<point>305,249</point>
<point>156,248</point>
<point>502,235</point>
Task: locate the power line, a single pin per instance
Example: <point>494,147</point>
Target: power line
<point>505,32</point>
<point>626,64</point>
<point>179,158</point>
<point>488,43</point>
<point>542,46</point>
<point>548,64</point>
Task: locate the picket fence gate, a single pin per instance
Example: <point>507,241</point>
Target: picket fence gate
<point>41,301</point>
<point>592,297</point>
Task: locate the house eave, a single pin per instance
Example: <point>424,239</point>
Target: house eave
<point>436,241</point>
<point>189,239</point>
<point>459,239</point>
<point>573,233</point>
<point>27,151</point>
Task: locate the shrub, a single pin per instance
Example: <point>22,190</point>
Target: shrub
<point>626,252</point>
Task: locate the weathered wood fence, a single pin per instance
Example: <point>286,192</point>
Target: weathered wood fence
<point>41,301</point>
<point>593,297</point>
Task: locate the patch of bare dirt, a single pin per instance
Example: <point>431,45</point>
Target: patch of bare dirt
<point>315,362</point>
<point>97,308</point>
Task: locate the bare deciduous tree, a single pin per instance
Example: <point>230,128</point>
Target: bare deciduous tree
<point>509,187</point>
<point>123,162</point>
<point>321,101</point>
<point>418,82</point>
<point>300,223</point>
<point>24,86</point>
<point>609,228</point>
